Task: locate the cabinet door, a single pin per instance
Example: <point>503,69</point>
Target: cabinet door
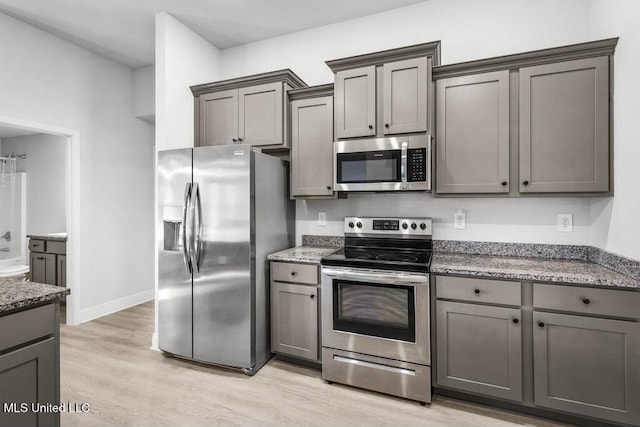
<point>260,118</point>
<point>218,118</point>
<point>355,102</point>
<point>564,126</point>
<point>294,320</point>
<point>43,268</point>
<point>312,147</point>
<point>61,270</point>
<point>404,102</point>
<point>588,366</point>
<point>28,375</point>
<point>479,349</point>
<point>473,134</point>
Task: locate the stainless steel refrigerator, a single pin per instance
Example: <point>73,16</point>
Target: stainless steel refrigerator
<point>221,211</point>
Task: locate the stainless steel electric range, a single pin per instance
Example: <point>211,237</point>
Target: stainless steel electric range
<point>375,307</point>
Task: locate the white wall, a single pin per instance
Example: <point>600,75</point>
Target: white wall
<point>183,59</point>
<point>46,167</point>
<point>616,226</point>
<point>44,79</point>
<point>144,93</point>
<point>468,30</point>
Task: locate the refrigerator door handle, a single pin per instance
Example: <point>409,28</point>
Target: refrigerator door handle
<point>186,239</point>
<point>197,242</point>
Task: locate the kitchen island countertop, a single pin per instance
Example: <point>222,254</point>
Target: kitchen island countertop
<point>16,294</point>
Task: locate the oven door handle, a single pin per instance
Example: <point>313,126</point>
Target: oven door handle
<point>377,276</point>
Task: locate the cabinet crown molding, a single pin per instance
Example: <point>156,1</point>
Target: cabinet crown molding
<point>310,92</point>
<point>535,57</point>
<point>285,76</point>
<point>430,49</point>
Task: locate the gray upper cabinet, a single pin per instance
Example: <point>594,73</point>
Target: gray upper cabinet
<point>312,147</point>
<point>564,126</point>
<point>588,366</point>
<point>260,114</point>
<point>219,118</point>
<point>472,122</point>
<point>385,93</point>
<point>404,101</point>
<point>248,110</point>
<point>355,102</point>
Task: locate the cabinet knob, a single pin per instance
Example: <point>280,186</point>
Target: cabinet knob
<point>370,127</point>
<point>328,187</point>
<point>541,324</point>
<point>586,300</point>
<point>525,182</point>
<point>240,139</point>
<point>312,296</point>
<point>386,125</point>
<point>234,140</point>
<point>504,183</point>
<point>516,321</point>
<point>293,273</point>
<point>477,291</point>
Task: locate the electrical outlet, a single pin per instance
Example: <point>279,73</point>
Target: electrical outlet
<point>322,218</point>
<point>459,219</point>
<point>565,223</point>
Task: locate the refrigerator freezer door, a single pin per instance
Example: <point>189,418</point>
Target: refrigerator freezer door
<point>222,281</point>
<point>174,278</point>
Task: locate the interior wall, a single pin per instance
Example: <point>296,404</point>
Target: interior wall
<point>183,59</point>
<point>47,80</point>
<point>615,220</point>
<point>144,93</point>
<point>468,31</point>
<point>46,168</point>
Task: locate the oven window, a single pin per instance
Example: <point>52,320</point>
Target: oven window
<point>369,166</point>
<point>386,311</point>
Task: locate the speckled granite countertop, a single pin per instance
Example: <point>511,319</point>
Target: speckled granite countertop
<point>303,254</point>
<point>16,294</point>
<point>57,237</point>
<point>531,269</point>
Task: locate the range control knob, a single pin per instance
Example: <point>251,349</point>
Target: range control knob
<point>350,224</point>
<point>405,225</point>
<point>423,226</point>
<point>413,226</point>
<point>359,224</point>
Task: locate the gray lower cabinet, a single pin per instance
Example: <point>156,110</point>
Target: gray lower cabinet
<point>29,367</point>
<point>43,268</point>
<point>564,126</point>
<point>295,327</point>
<point>472,119</point>
<point>588,366</point>
<point>312,147</point>
<point>479,349</point>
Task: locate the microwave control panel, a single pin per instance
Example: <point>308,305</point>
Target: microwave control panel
<point>417,164</point>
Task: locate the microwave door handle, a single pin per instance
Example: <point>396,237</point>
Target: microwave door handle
<point>403,165</point>
<point>428,165</point>
<point>185,240</point>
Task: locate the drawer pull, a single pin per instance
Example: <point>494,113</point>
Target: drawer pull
<point>586,300</point>
<point>293,273</point>
<point>477,291</point>
<point>541,324</point>
<point>312,296</point>
<point>516,321</point>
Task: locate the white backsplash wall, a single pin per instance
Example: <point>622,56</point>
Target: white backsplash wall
<point>531,220</point>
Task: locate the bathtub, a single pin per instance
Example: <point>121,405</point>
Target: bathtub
<point>14,268</point>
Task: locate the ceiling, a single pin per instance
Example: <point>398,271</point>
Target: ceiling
<point>124,30</point>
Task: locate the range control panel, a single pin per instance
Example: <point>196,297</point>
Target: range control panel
<point>403,227</point>
<point>416,163</point>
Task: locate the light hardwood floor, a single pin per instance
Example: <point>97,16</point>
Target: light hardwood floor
<point>107,363</point>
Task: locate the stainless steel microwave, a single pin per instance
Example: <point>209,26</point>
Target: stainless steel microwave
<point>383,164</point>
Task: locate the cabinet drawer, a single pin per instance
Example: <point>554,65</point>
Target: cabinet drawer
<point>54,247</point>
<point>36,245</point>
<point>606,302</point>
<point>292,272</point>
<point>28,325</point>
<point>478,290</point>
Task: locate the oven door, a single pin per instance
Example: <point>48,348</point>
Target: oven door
<point>375,312</point>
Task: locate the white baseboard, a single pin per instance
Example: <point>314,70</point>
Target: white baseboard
<point>154,342</point>
<point>110,307</point>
